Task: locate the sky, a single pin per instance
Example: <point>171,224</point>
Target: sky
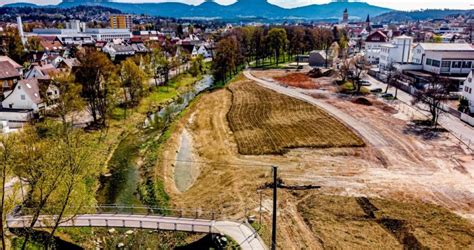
<point>394,4</point>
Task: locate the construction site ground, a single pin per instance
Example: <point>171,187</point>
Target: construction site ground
<point>419,185</point>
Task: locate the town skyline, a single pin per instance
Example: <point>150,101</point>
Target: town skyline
<point>393,4</point>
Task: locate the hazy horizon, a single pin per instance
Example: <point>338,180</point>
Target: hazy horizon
<point>394,4</point>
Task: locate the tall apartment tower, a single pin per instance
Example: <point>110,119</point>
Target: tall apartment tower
<point>121,22</point>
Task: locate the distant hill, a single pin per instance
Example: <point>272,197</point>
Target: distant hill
<point>357,10</point>
<point>20,5</point>
<point>239,9</point>
<point>420,15</point>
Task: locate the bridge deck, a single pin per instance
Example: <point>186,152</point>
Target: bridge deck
<point>240,232</point>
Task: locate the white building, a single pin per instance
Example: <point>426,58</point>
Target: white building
<point>25,96</point>
<point>372,46</point>
<point>397,51</point>
<point>468,90</point>
<point>109,34</point>
<point>77,36</point>
<point>445,58</point>
<point>200,50</point>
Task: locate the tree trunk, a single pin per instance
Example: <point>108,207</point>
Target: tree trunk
<point>4,173</point>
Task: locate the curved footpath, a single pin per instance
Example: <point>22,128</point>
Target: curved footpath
<point>366,131</point>
<point>241,233</point>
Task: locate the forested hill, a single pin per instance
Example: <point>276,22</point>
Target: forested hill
<point>402,16</point>
<point>241,8</point>
<point>35,13</point>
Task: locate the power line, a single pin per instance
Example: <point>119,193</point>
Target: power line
<point>219,163</point>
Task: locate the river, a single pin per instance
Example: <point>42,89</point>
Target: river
<point>121,187</point>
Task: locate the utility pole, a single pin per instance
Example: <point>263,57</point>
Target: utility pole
<point>260,209</point>
<point>274,220</point>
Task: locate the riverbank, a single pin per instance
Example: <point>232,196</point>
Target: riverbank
<point>126,152</point>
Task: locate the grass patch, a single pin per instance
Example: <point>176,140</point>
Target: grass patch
<point>341,223</point>
<point>266,122</point>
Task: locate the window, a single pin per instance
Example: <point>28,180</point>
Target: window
<point>23,97</point>
<point>456,64</point>
<point>428,61</point>
<point>436,63</point>
<point>466,65</point>
<point>445,64</point>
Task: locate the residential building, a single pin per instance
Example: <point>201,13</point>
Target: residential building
<point>397,51</point>
<point>10,74</point>
<point>467,90</point>
<point>25,96</point>
<point>121,22</point>
<point>41,71</point>
<point>373,45</point>
<point>118,51</point>
<point>445,58</point>
<point>201,50</point>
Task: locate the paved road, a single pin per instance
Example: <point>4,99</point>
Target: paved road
<point>366,131</point>
<point>458,128</point>
<point>242,233</point>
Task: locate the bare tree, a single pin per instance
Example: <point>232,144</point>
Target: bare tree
<point>433,95</point>
<point>360,65</point>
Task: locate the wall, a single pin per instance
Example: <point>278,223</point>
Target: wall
<point>467,119</point>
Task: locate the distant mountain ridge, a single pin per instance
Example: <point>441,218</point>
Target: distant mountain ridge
<point>241,8</point>
<point>420,15</point>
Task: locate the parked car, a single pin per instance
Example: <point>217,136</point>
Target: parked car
<point>365,83</point>
<point>376,90</point>
<point>387,96</point>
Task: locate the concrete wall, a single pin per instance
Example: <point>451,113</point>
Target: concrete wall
<point>467,119</point>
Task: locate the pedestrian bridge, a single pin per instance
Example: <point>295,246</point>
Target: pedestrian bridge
<point>131,217</point>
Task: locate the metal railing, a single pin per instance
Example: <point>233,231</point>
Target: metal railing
<point>196,213</point>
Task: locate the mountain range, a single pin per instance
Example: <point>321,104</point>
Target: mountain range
<point>239,9</point>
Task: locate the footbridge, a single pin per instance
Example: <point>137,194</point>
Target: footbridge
<point>194,221</point>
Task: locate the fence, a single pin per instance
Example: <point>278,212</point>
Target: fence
<point>196,213</point>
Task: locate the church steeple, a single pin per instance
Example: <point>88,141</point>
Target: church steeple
<point>367,23</point>
<point>345,16</point>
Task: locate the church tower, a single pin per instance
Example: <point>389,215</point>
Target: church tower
<point>367,23</point>
<point>345,16</point>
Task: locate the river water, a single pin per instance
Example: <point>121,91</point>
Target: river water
<point>121,187</point>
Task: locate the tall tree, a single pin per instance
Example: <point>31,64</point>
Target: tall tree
<point>75,194</point>
<point>277,41</point>
<point>14,48</point>
<point>132,79</point>
<point>327,39</point>
<point>69,98</point>
<point>97,77</point>
<point>7,156</point>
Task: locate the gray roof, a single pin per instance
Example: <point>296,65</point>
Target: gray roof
<point>7,70</point>
<point>31,88</point>
<point>447,47</point>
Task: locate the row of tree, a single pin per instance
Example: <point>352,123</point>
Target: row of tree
<point>99,85</point>
<point>241,46</point>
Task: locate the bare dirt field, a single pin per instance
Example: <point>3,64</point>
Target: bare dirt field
<point>423,179</point>
<point>265,122</point>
